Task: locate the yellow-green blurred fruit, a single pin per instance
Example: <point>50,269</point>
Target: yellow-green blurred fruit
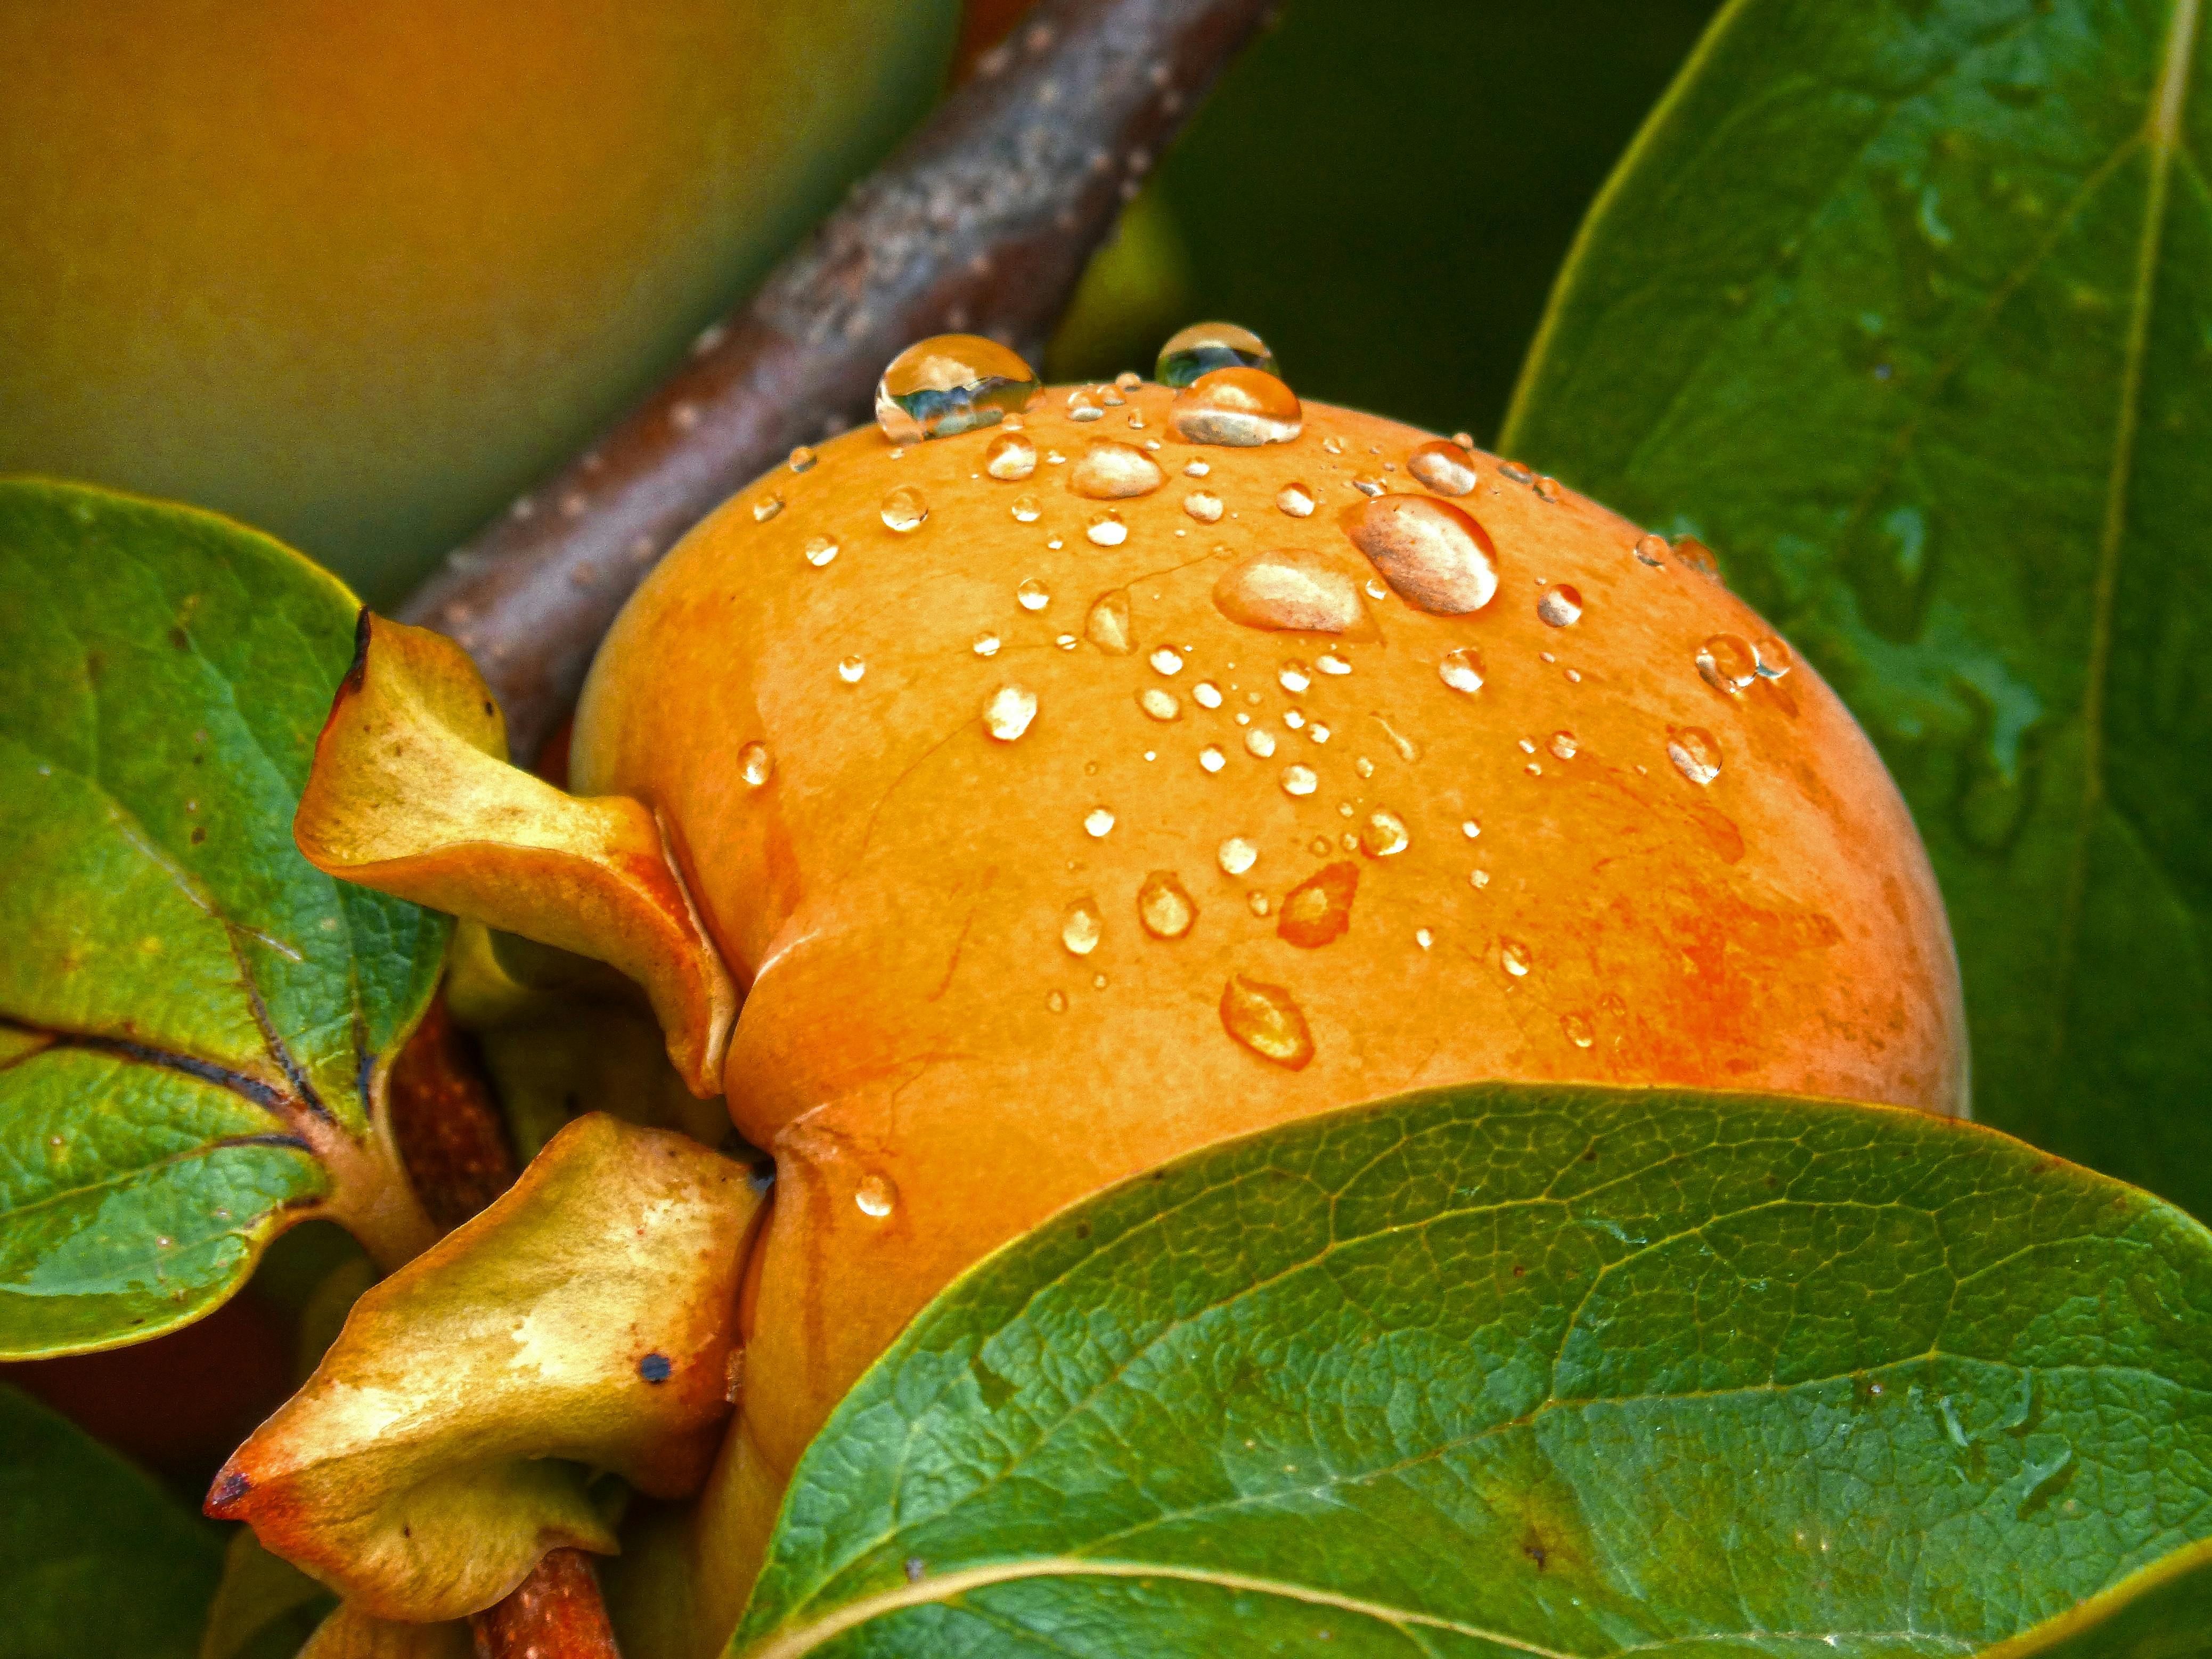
<point>358,273</point>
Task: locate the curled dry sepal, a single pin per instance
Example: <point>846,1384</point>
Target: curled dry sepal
<point>583,1322</point>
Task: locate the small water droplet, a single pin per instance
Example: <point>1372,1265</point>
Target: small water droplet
<point>756,765</point>
<point>1432,552</point>
<point>820,550</point>
<point>1295,499</point>
<point>1479,879</point>
<point>1160,705</point>
<point>1289,590</point>
<point>1367,486</point>
<point>1081,406</point>
<point>1563,745</point>
<point>1319,908</point>
<point>1333,443</point>
<point>950,384</point>
<point>1097,822</point>
<point>1423,937</point>
<point>1469,827</point>
<point>1294,718</point>
<point>1300,780</point>
<point>1237,407</point>
<point>1008,711</point>
<point>802,460</point>
<point>767,508</point>
<point>1128,379</point>
<point>1518,473</point>
<point>1443,466</point>
<point>1461,668</point>
<point>1110,395</point>
<point>1693,554</point>
<point>987,645</point>
<point>1057,1001</point>
<point>1383,835</point>
<point>1547,489</point>
<point>1111,472</point>
<point>1365,767</point>
<point>1031,595</point>
<point>875,1196</point>
<point>1560,605</point>
<point>1025,509</point>
<point>1080,926</point>
<point>1166,661</point>
<point>850,669</point>
<point>1728,664</point>
<point>1197,469</point>
<point>1694,751</point>
<point>1265,1019</point>
<point>1317,733</point>
<point>1260,742</point>
<point>1774,658</point>
<point>1651,550</point>
<point>1203,506</point>
<point>1165,906</point>
<point>1207,693</point>
<point>1203,347</point>
<point>1011,456</point>
<point>1212,757</point>
<point>904,510</point>
<point>1515,957</point>
<point>1578,1029</point>
<point>1330,663</point>
<point>1236,855</point>
<point>1292,677</point>
<point>1106,529</point>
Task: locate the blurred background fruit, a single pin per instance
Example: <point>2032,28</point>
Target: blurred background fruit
<point>358,274</point>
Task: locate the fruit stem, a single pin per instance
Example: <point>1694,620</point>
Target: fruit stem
<point>555,1613</point>
<point>982,224</point>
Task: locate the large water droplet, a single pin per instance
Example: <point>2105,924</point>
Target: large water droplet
<point>1384,836</point>
<point>1212,757</point>
<point>1651,550</point>
<point>1237,407</point>
<point>1564,745</point>
<point>1775,658</point>
<point>1011,456</point>
<point>1107,627</point>
<point>1207,693</point>
<point>1293,677</point>
<point>904,510</point>
<point>1008,711</point>
<point>1443,466</point>
<point>1236,855</point>
<point>755,764</point>
<point>1560,606</point>
<point>1031,595</point>
<point>819,550</point>
<point>1111,471</point>
<point>1165,905</point>
<point>951,384</point>
<point>1295,499</point>
<point>1264,1018</point>
<point>1289,590</point>
<point>1166,661</point>
<point>1693,554</point>
<point>1694,751</point>
<point>1300,780</point>
<point>875,1196</point>
<point>1160,705</point>
<point>1097,822</point>
<point>850,669</point>
<point>1203,347</point>
<point>1083,405</point>
<point>1080,926</point>
<point>1260,742</point>
<point>1319,908</point>
<point>1728,664</point>
<point>1106,529</point>
<point>1461,668</point>
<point>1433,554</point>
<point>1203,505</point>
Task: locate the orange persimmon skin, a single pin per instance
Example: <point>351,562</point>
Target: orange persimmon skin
<point>917,1039</point>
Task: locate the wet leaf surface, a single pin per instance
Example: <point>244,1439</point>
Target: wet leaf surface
<point>1518,1371</point>
<point>1907,309</point>
<point>193,1020</point>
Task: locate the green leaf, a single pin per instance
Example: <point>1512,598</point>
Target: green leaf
<point>1905,306</point>
<point>194,1022</point>
<point>1533,1370</point>
<point>95,1559</point>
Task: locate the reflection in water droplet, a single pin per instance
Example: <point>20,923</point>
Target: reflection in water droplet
<point>1295,499</point>
<point>1011,456</point>
<point>1300,780</point>
<point>1578,1029</point>
<point>1383,835</point>
<point>1775,658</point>
<point>1031,595</point>
<point>1025,509</point>
<point>987,645</point>
<point>1237,407</point>
<point>904,510</point>
<point>1008,711</point>
<point>802,460</point>
<point>1292,676</point>
<point>755,764</point>
<point>1106,529</point>
<point>1330,663</point>
<point>1432,552</point>
<point>1693,554</point>
<point>1515,957</point>
<point>1160,705</point>
<point>1080,926</point>
<point>1203,347</point>
<point>1651,550</point>
<point>1111,471</point>
<point>1727,664</point>
<point>1443,466</point>
<point>1166,661</point>
<point>1165,906</point>
<point>767,508</point>
<point>1461,668</point>
<point>875,1196</point>
<point>1236,855</point>
<point>1203,506</point>
<point>1264,1019</point>
<point>1207,693</point>
<point>1211,758</point>
<point>1560,606</point>
<point>1097,822</point>
<point>1290,590</point>
<point>1563,745</point>
<point>850,669</point>
<point>1319,908</point>
<point>1259,741</point>
<point>819,550</point>
<point>1694,751</point>
<point>950,384</point>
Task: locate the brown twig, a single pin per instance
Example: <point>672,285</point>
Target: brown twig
<point>982,224</point>
<point>446,1123</point>
<point>555,1613</point>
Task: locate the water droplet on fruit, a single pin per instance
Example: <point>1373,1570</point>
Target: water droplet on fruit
<point>1560,606</point>
<point>1165,906</point>
<point>1578,1029</point>
<point>1469,827</point>
<point>1365,767</point>
<point>1031,595</point>
<point>904,510</point>
<point>1727,664</point>
<point>767,508</point>
<point>1317,733</point>
<point>950,384</point>
<point>1166,661</point>
<point>1106,529</point>
<point>850,669</point>
<point>1515,957</point>
<point>1547,489</point>
<point>1300,780</point>
<point>1057,1001</point>
<point>1160,705</point>
<point>1563,745</point>
<point>1112,472</point>
<point>1203,506</point>
<point>1260,742</point>
<point>987,645</point>
<point>1383,835</point>
<point>1011,456</point>
<point>1203,347</point>
<point>1430,552</point>
<point>1651,550</point>
<point>1694,751</point>
<point>1008,712</point>
<point>802,460</point>
<point>1295,499</point>
<point>1236,855</point>
<point>1207,693</point>
<point>1081,406</point>
<point>819,550</point>
<point>1107,626</point>
<point>1292,677</point>
<point>1212,757</point>
<point>1256,901</point>
<point>1265,1019</point>
<point>1479,879</point>
<point>1196,469</point>
<point>1461,668</point>
<point>1080,926</point>
<point>1518,473</point>
<point>1237,407</point>
<point>875,1196</point>
<point>1329,663</point>
<point>1693,554</point>
<point>1367,486</point>
<point>1443,466</point>
<point>1775,658</point>
<point>755,764</point>
<point>1097,822</point>
<point>1288,591</point>
<point>1319,908</point>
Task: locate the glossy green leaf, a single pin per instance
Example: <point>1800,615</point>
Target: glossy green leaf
<point>193,1019</point>
<point>1518,1371</point>
<point>1905,307</point>
<point>95,1559</point>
